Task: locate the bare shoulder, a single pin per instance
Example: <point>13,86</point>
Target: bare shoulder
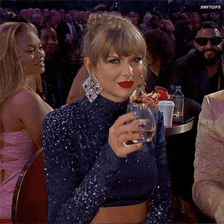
<point>29,100</point>
<point>24,97</point>
<point>81,76</point>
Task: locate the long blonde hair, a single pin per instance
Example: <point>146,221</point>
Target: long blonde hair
<point>12,73</point>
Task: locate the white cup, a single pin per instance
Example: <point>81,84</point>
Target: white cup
<point>166,107</point>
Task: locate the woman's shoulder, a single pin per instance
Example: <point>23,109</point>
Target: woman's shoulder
<point>24,96</point>
<point>66,114</point>
<point>28,100</point>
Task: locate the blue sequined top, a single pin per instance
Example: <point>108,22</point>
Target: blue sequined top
<point>84,174</point>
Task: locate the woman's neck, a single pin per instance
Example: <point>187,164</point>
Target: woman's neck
<point>31,83</point>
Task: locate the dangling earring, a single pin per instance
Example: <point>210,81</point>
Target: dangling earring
<point>92,88</point>
<point>142,85</point>
<point>141,88</point>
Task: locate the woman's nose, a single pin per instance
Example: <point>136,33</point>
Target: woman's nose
<point>128,70</point>
<point>40,53</point>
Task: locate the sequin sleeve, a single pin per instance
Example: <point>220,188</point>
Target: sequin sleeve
<point>160,202</point>
<point>73,198</point>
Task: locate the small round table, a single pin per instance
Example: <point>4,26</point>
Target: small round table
<point>180,128</point>
<point>180,153</point>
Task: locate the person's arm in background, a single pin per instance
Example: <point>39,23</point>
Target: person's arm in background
<point>208,187</point>
<point>169,25</point>
<point>76,91</point>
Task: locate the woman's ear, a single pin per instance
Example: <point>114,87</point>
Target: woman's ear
<point>88,65</point>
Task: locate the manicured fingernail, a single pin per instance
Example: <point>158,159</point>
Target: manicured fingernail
<point>141,126</point>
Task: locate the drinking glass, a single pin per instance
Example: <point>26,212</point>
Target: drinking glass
<point>144,111</point>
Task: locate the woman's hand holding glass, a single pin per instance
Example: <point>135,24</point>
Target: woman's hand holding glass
<point>126,128</point>
<point>143,111</point>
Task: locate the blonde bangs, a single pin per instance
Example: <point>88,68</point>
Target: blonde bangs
<point>121,36</point>
<point>129,43</point>
<point>123,43</point>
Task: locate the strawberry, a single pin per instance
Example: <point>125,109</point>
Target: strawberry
<point>163,95</point>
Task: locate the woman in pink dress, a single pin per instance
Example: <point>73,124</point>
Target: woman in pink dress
<point>21,110</point>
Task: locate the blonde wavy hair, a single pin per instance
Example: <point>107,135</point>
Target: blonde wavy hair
<point>110,30</point>
<point>12,72</point>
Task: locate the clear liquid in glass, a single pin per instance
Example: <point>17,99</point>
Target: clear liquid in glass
<point>143,111</point>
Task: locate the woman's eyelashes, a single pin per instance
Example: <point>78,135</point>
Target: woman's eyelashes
<point>33,49</point>
<point>137,59</point>
<point>117,60</point>
<point>114,61</point>
<point>30,50</point>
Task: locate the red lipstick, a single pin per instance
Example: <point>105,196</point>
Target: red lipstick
<point>126,84</point>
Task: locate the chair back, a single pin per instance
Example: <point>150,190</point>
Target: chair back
<point>30,200</point>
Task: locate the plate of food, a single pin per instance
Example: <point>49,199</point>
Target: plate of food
<point>153,98</point>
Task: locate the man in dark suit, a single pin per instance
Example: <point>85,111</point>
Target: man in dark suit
<point>68,34</point>
<point>201,72</point>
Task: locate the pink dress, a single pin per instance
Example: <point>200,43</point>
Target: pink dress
<point>17,149</point>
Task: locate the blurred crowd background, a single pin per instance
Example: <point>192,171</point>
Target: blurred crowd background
<point>62,24</point>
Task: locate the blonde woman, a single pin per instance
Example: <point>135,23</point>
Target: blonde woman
<point>21,110</point>
<point>93,175</point>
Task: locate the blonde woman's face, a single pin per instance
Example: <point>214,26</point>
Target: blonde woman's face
<point>32,53</point>
<point>119,76</point>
